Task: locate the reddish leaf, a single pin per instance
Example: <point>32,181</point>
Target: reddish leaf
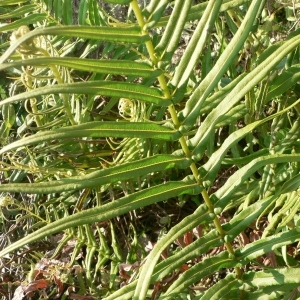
<point>156,289</point>
<point>184,267</point>
<point>59,284</point>
<point>35,285</point>
<point>188,238</point>
<point>124,274</point>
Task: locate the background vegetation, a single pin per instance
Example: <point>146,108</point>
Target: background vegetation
<point>149,150</point>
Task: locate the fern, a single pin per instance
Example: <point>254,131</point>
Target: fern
<point>99,140</point>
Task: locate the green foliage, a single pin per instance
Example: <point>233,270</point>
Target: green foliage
<point>110,115</point>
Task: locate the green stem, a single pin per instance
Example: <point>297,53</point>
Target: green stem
<point>182,140</point>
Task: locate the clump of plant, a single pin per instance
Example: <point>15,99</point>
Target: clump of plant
<point>190,104</point>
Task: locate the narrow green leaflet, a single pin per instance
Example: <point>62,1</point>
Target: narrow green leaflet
<point>99,129</point>
<point>283,82</point>
<point>211,102</point>
<point>131,34</point>
<point>223,287</point>
<point>272,277</point>
<point>57,6</point>
<point>210,169</point>
<point>18,12</point>
<point>8,115</point>
<point>33,18</point>
<point>120,67</point>
<point>234,114</point>
<point>200,246</point>
<point>263,246</point>
<point>275,280</point>
<point>67,11</point>
<point>271,293</point>
<point>197,10</point>
<point>108,211</point>
<point>8,119</point>
<point>82,12</point>
<point>198,271</point>
<point>240,222</point>
<point>117,173</point>
<point>171,36</point>
<point>150,8</point>
<point>291,185</point>
<point>234,181</point>
<point>105,88</point>
<point>11,2</point>
<point>156,14</point>
<point>196,44</point>
<point>96,14</point>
